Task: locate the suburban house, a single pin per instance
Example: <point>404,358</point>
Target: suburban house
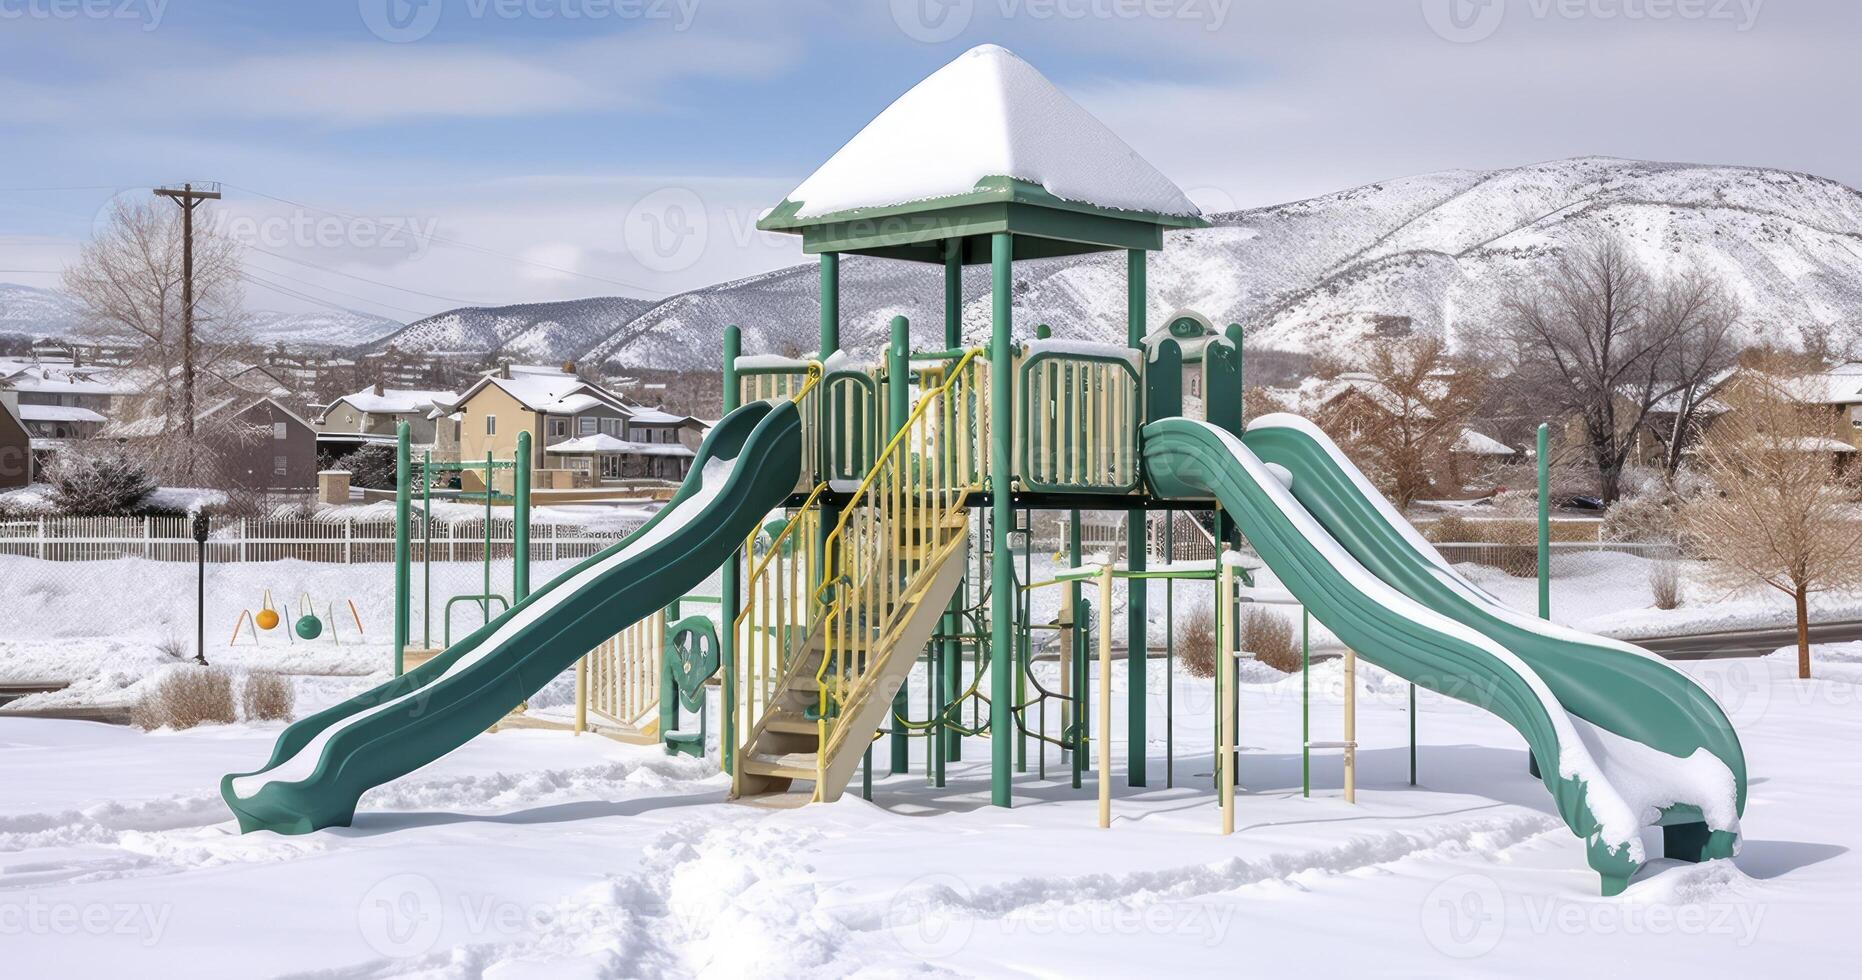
<point>261,443</point>
<point>15,444</point>
<point>61,400</point>
<point>373,416</point>
<point>577,426</point>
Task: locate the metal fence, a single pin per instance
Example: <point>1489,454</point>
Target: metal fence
<point>1568,557</point>
<point>71,539</point>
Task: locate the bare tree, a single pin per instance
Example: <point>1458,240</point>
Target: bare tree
<point>1606,340</point>
<point>128,283</point>
<point>1781,512</point>
<point>1402,421</point>
<point>1699,317</point>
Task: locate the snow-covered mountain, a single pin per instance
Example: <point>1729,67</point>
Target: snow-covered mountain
<point>1433,253</point>
<point>333,328</point>
<point>41,313</point>
<point>534,331</point>
<point>36,313</point>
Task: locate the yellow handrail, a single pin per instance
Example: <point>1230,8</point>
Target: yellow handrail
<point>885,454</point>
<point>906,504</point>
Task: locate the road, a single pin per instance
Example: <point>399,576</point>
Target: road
<point>1746,643</point>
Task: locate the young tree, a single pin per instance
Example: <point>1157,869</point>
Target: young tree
<point>1779,512</point>
<point>1606,340</point>
<point>128,283</point>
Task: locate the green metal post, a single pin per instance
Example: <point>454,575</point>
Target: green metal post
<point>1305,702</point>
<point>898,406</point>
<point>728,588</point>
<point>1137,618</point>
<point>1545,521</point>
<point>426,550</point>
<point>520,517</point>
<point>830,303</point>
<point>951,656</point>
<point>403,586</point>
<point>1170,653</point>
<point>1002,576</point>
<point>1412,734</point>
<point>1075,718</point>
<point>485,603</point>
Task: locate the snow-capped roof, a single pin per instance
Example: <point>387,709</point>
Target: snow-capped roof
<point>654,416</point>
<point>986,114</point>
<point>601,442</point>
<point>1474,443</point>
<point>547,393</point>
<point>574,404</point>
<point>395,401</point>
<point>58,413</point>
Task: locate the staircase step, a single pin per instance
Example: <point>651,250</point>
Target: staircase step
<point>794,765</point>
<point>791,725</point>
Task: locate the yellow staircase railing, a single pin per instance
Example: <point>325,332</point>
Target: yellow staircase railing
<point>825,654</point>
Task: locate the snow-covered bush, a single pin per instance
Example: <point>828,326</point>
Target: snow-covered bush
<point>1452,529</point>
<point>1270,638</point>
<point>1516,547</point>
<point>1196,643</point>
<point>267,697</point>
<point>1665,584</point>
<point>1650,518</point>
<point>370,467</point>
<point>186,697</point>
<point>89,482</point>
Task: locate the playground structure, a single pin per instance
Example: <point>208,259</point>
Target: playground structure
<point>866,519</point>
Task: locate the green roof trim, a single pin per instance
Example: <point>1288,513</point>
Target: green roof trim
<point>1044,226</point>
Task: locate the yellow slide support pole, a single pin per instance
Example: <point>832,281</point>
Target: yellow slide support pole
<point>581,694</point>
<point>1225,669</point>
<point>1105,696</point>
<point>1351,725</point>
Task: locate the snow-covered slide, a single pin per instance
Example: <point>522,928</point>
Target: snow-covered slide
<point>321,765</point>
<point>1606,783</point>
<point>1619,688</point>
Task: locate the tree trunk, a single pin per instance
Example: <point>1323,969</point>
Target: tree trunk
<point>1803,635</point>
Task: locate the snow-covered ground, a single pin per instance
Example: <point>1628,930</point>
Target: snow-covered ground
<point>532,853</point>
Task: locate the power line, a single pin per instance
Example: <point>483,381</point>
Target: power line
<point>437,239</point>
<point>299,294</point>
<point>350,275</point>
<point>339,292</point>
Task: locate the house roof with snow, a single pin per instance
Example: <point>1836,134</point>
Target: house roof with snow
<point>149,426</point>
<point>1473,443</point>
<point>394,401</point>
<point>601,444</point>
<point>550,394</point>
<point>985,144</point>
<point>58,413</point>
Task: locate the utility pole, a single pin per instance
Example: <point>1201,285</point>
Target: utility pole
<point>188,198</point>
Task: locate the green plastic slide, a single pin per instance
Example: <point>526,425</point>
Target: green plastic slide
<point>321,765</point>
<point>1627,745</point>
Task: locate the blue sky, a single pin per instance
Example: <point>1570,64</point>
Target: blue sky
<point>401,156</point>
